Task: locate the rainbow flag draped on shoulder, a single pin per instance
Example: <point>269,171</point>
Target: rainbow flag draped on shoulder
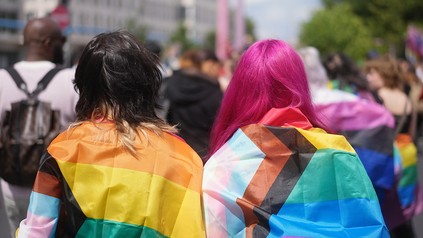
<point>283,178</point>
<point>87,186</point>
<point>369,127</point>
<point>410,195</point>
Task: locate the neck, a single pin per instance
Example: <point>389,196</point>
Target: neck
<point>37,55</point>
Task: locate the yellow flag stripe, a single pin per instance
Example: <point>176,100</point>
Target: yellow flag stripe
<point>321,140</point>
<point>408,154</point>
<point>103,192</point>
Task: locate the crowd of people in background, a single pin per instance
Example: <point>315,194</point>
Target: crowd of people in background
<point>275,141</point>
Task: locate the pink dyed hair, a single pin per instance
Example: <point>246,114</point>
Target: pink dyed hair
<point>270,74</point>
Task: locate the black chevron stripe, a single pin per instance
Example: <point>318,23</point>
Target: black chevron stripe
<point>302,151</point>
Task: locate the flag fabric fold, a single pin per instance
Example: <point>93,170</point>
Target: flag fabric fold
<point>391,165</point>
<point>274,179</point>
<point>87,186</point>
<point>369,127</point>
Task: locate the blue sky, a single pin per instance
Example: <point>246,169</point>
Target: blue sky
<point>280,19</point>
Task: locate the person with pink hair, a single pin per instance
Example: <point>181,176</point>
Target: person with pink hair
<point>273,170</point>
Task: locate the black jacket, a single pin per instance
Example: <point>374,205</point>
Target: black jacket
<point>194,101</point>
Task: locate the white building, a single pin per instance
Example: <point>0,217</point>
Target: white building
<point>160,18</point>
<point>88,18</point>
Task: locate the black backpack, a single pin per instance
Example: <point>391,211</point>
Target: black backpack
<point>26,131</point>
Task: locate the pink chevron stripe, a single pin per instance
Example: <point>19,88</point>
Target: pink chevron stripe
<point>39,226</point>
<point>216,225</point>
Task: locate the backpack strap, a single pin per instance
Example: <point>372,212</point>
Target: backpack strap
<point>18,80</point>
<point>42,84</point>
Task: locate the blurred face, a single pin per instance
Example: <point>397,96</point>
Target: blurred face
<point>211,68</point>
<point>374,79</point>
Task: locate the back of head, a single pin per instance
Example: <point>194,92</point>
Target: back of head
<point>316,73</point>
<point>154,47</point>
<point>118,79</point>
<point>340,66</point>
<point>388,68</point>
<point>208,55</point>
<point>43,40</point>
<point>210,64</point>
<point>270,74</point>
<point>191,59</point>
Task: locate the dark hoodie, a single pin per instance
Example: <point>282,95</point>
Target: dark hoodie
<point>194,101</point>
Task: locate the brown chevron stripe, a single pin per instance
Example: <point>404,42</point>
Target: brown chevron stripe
<point>71,212</point>
<point>47,184</point>
<point>287,155</point>
<point>277,154</point>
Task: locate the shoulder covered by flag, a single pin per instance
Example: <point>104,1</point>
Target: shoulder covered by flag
<point>284,178</point>
<point>107,192</point>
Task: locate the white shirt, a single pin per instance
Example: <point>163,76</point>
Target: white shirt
<point>59,92</point>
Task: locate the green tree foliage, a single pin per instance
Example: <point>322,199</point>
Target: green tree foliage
<point>387,20</point>
<point>210,41</point>
<point>250,29</point>
<point>139,31</point>
<point>180,36</point>
<point>337,29</point>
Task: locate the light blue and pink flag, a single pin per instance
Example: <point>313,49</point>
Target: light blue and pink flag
<point>284,178</point>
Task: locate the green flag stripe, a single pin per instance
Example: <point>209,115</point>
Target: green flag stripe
<point>327,166</point>
<point>409,176</point>
<point>107,228</point>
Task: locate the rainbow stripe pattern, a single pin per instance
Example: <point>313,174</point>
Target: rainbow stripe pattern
<point>88,186</point>
<point>409,193</point>
<point>369,127</point>
<point>283,178</point>
<point>408,181</point>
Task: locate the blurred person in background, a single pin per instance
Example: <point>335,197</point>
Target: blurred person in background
<point>414,89</point>
<point>43,43</point>
<point>118,171</point>
<point>194,99</point>
<point>367,125</point>
<point>210,64</point>
<point>345,75</point>
<point>163,103</point>
<point>273,170</point>
<point>385,78</point>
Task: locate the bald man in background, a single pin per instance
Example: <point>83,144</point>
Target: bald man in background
<point>43,42</point>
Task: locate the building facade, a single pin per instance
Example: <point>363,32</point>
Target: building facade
<point>158,18</point>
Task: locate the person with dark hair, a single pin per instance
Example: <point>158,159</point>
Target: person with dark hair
<point>43,51</point>
<point>344,74</point>
<point>273,170</point>
<point>154,47</point>
<point>210,64</point>
<point>118,171</point>
<point>194,98</point>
